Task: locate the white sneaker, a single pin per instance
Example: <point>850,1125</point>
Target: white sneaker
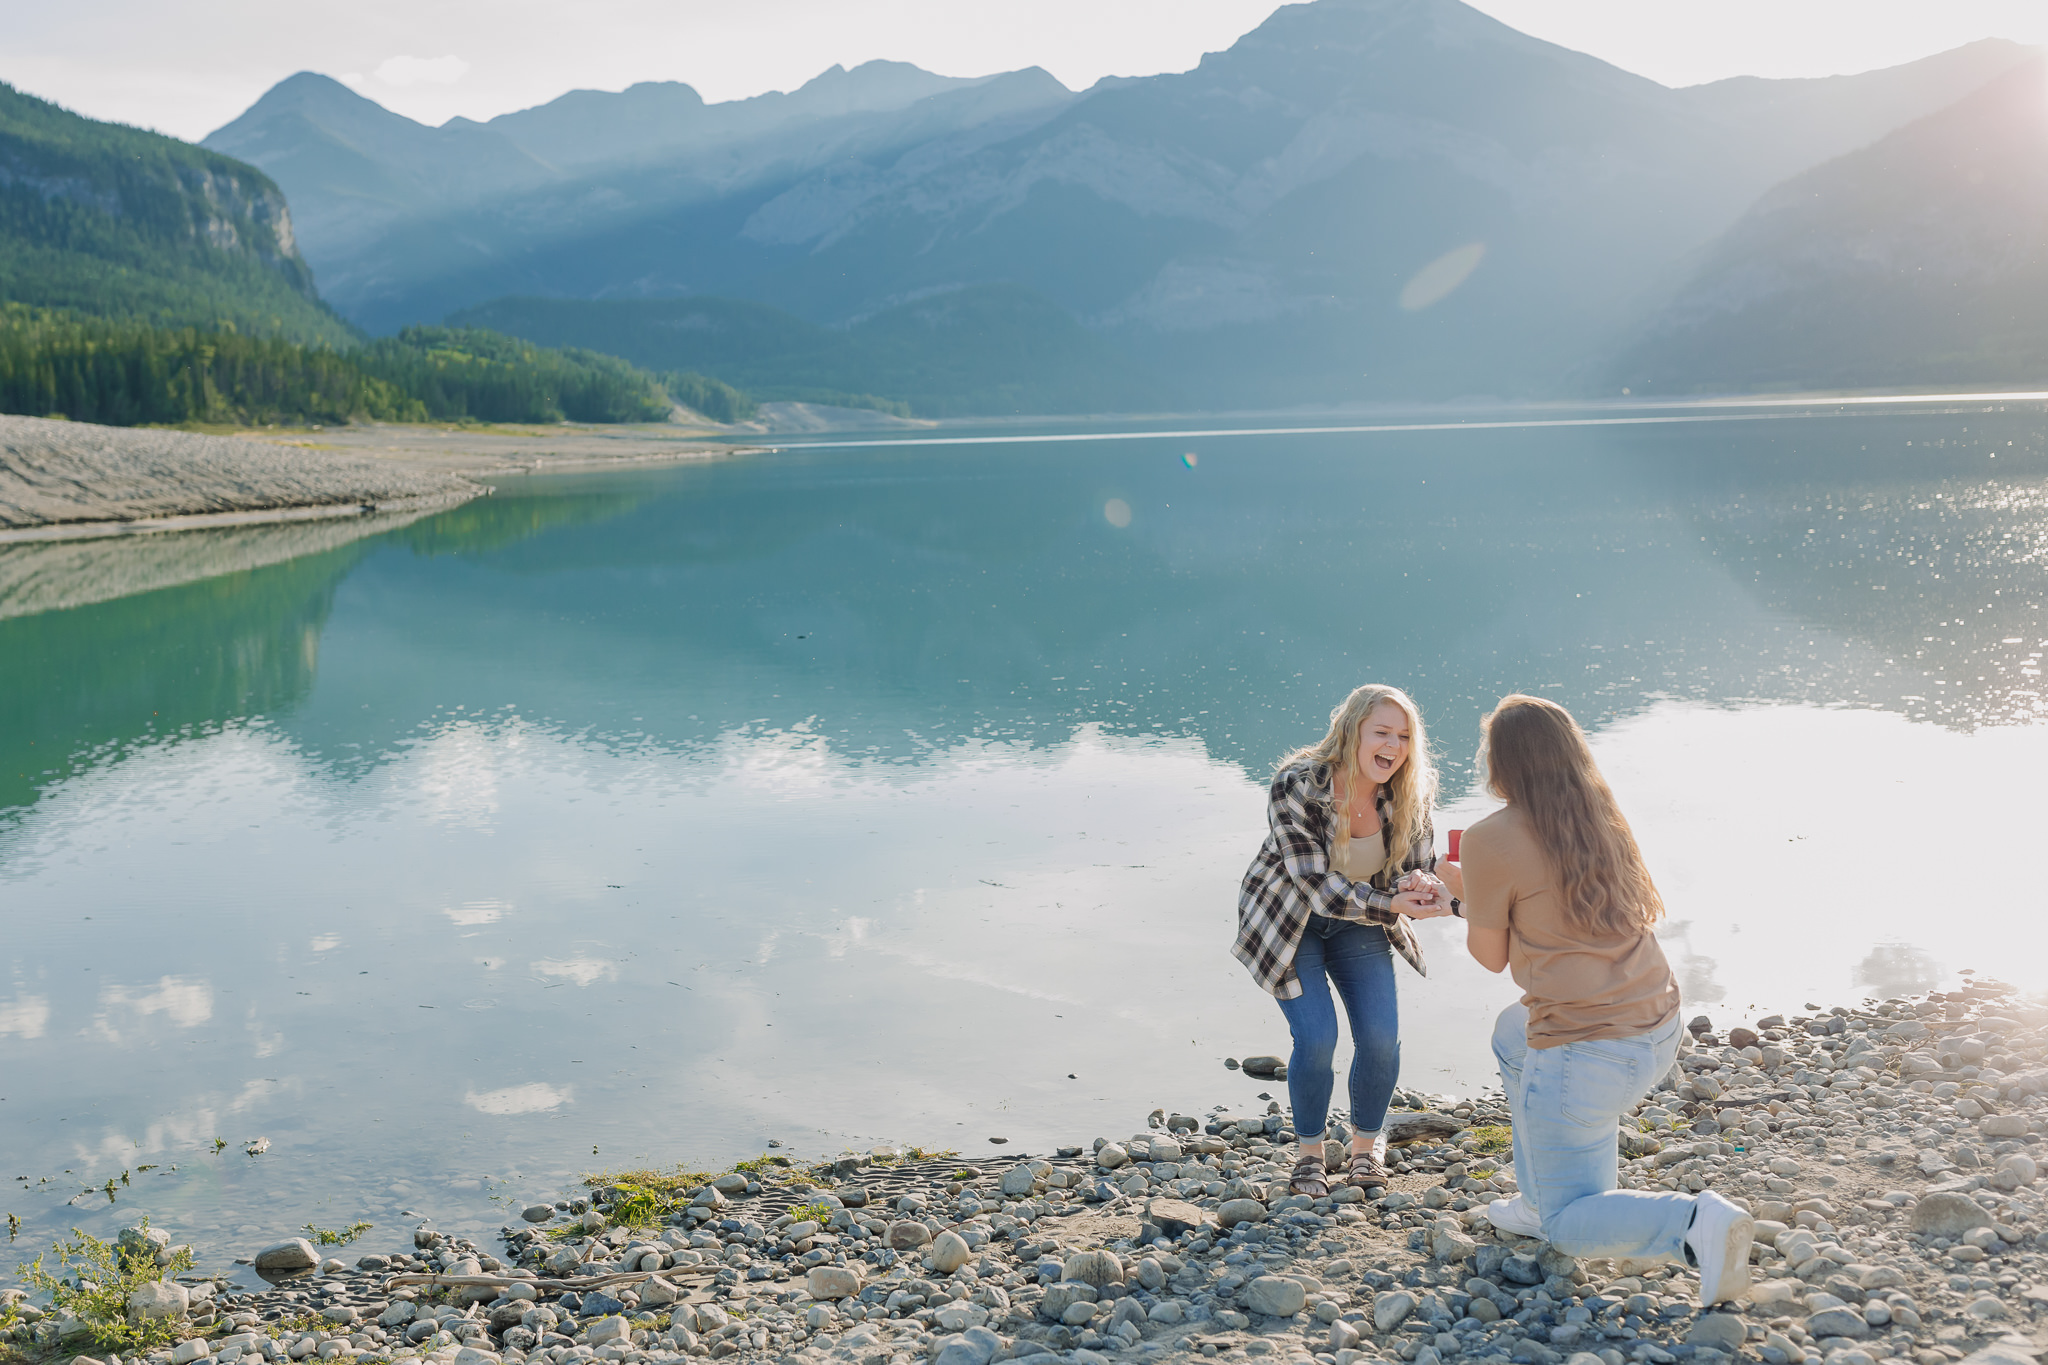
<point>1516,1215</point>
<point>1717,1242</point>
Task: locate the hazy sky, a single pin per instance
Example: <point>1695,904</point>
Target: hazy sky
<point>187,68</point>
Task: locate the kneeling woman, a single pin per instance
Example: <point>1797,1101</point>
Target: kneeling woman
<point>1324,904</point>
<point>1555,888</point>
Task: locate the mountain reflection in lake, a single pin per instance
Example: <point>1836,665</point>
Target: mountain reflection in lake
<point>832,798</point>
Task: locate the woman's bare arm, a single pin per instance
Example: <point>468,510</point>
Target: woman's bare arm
<point>1489,947</point>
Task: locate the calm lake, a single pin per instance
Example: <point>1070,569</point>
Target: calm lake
<point>900,792</point>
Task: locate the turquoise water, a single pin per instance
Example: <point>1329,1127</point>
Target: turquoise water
<point>832,796</point>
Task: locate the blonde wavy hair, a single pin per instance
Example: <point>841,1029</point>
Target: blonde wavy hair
<point>1412,792</point>
<point>1536,758</point>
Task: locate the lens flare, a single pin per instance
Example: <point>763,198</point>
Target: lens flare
<point>1117,513</point>
<point>1441,276</point>
<point>1190,459</point>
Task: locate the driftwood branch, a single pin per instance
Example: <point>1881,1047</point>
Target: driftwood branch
<point>575,1286</point>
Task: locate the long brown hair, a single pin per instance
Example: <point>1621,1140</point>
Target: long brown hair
<point>1412,789</point>
<point>1536,758</point>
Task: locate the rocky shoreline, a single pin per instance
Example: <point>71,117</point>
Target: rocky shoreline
<point>1890,1154</point>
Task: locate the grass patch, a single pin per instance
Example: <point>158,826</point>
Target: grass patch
<point>816,1213</point>
<point>330,1237</point>
<point>673,1183</point>
<point>1491,1140</point>
<point>92,1281</point>
<point>640,1207</point>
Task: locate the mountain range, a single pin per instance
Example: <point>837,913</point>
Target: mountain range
<point>1358,200</point>
<point>1921,259</point>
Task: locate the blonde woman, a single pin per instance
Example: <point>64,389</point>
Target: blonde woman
<point>1556,890</point>
<point>1325,903</point>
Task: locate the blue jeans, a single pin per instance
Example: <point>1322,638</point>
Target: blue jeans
<point>1360,961</point>
<point>1567,1102</point>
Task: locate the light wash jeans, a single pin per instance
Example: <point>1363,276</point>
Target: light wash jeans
<point>1567,1102</point>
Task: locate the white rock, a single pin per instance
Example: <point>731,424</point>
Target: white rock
<point>1112,1156</point>
<point>829,1282</point>
<point>189,1350</point>
<point>958,1317</point>
<point>1235,1211</point>
<point>1096,1268</point>
<point>949,1253</point>
<point>1391,1310</point>
<point>157,1300</point>
<point>609,1329</point>
<point>1276,1296</point>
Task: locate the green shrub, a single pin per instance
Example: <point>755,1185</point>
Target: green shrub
<point>92,1282</point>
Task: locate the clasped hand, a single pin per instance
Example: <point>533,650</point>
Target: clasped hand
<point>1422,896</point>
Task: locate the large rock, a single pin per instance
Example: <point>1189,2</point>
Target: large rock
<point>957,1317</point>
<point>1837,1322</point>
<point>853,1196</point>
<point>1722,1331</point>
<point>1096,1268</point>
<point>159,1300</point>
<point>1018,1181</point>
<point>609,1329</point>
<point>2006,1351</point>
<point>975,1346</point>
<point>1235,1211</point>
<point>191,1349</point>
<point>2003,1125</point>
<point>1947,1214</point>
<point>537,1213</point>
<point>906,1235</point>
<point>832,1282</point>
<point>286,1258</point>
<point>1110,1156</point>
<point>1448,1244</point>
<point>949,1252</point>
<point>1174,1216</point>
<point>1277,1296</point>
<point>1391,1310</point>
<point>152,1240</point>
<point>656,1292</point>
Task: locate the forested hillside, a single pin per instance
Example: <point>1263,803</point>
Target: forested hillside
<point>113,221</point>
<point>125,373</point>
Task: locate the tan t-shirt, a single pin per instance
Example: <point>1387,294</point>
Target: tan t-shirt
<point>1576,988</point>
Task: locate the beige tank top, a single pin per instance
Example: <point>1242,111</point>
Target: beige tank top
<point>1362,857</point>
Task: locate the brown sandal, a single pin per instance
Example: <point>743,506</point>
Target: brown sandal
<point>1308,1178</point>
<point>1366,1172</point>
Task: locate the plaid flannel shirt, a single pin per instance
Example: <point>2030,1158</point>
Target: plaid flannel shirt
<point>1291,879</point>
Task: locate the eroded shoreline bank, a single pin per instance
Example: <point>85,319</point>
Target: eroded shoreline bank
<point>71,480</point>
